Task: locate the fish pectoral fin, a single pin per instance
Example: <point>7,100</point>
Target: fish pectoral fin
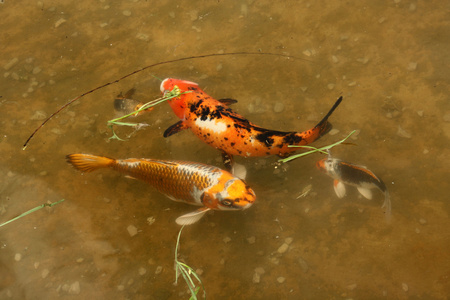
<point>339,188</point>
<point>130,177</point>
<point>192,217</point>
<point>228,161</point>
<point>227,101</point>
<point>239,171</point>
<point>177,127</point>
<point>367,193</point>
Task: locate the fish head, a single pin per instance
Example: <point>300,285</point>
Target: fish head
<point>233,194</point>
<point>178,104</point>
<point>184,85</point>
<point>321,164</point>
<point>329,166</point>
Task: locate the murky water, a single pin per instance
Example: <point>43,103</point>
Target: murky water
<point>389,60</point>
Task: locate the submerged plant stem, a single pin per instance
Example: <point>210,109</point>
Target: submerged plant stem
<point>186,271</point>
<point>170,95</point>
<point>322,149</point>
<point>31,211</point>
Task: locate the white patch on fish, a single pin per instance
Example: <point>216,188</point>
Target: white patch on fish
<point>216,126</point>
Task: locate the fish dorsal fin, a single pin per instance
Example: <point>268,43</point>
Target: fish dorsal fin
<point>227,101</point>
<point>339,188</point>
<point>367,193</point>
<point>144,161</point>
<point>192,217</point>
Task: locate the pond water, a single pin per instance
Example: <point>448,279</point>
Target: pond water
<point>114,238</point>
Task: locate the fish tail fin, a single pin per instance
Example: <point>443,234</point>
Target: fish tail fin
<point>88,162</point>
<point>387,205</point>
<point>319,130</point>
<point>324,126</point>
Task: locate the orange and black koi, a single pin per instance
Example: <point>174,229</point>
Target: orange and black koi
<point>145,68</point>
<point>363,179</point>
<point>217,125</point>
<point>188,182</point>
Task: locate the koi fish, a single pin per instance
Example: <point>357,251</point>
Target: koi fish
<point>126,105</point>
<point>219,126</point>
<point>359,176</point>
<point>188,182</point>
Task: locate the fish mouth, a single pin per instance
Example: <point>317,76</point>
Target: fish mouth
<point>246,206</point>
<point>161,87</point>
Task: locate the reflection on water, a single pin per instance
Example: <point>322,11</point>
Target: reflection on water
<point>388,60</point>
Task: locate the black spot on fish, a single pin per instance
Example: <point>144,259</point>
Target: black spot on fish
<point>292,138</point>
<point>204,113</point>
<point>195,106</point>
<point>266,138</point>
<point>232,144</point>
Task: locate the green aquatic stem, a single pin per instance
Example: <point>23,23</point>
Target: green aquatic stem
<point>176,92</point>
<point>187,271</point>
<point>114,136</point>
<point>32,211</point>
<point>321,149</point>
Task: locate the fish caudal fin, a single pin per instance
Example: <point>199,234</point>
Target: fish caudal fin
<point>387,205</point>
<point>323,125</point>
<point>88,162</point>
<point>192,217</point>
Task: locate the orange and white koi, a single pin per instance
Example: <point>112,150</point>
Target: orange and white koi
<point>359,176</point>
<point>217,125</point>
<point>187,182</point>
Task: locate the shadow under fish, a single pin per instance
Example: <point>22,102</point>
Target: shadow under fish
<point>188,182</point>
<point>364,180</point>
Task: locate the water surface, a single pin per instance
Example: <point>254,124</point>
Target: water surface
<point>389,60</point>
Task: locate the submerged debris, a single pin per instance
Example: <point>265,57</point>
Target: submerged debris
<point>257,275</point>
<point>403,133</point>
<point>132,230</point>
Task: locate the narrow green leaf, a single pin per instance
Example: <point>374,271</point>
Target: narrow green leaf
<point>31,211</point>
<point>322,149</point>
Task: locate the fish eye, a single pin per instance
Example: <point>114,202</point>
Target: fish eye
<point>227,202</point>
